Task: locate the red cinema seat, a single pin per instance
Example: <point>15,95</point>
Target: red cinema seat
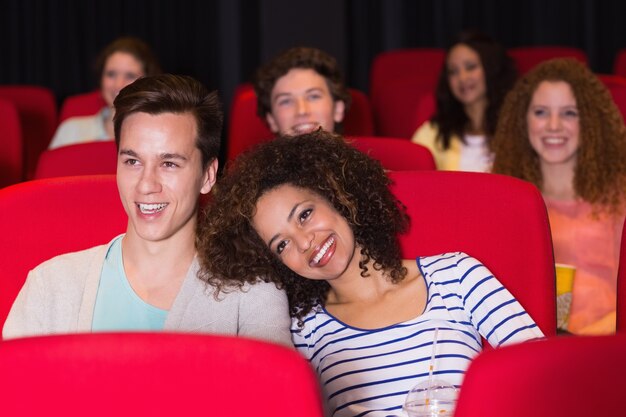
<point>617,86</point>
<point>89,158</point>
<point>396,154</point>
<point>526,57</point>
<point>397,81</point>
<point>426,108</point>
<point>619,65</point>
<point>45,218</point>
<point>86,104</point>
<point>154,374</point>
<point>621,286</point>
<point>558,377</point>
<point>246,129</point>
<point>11,155</point>
<point>37,109</point>
<point>499,220</point>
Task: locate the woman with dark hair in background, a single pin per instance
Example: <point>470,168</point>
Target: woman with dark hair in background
<point>476,76</point>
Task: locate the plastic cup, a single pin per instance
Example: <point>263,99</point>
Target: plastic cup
<point>564,284</point>
<point>437,399</point>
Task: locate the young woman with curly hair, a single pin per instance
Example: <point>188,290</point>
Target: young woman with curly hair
<point>314,215</point>
<point>476,76</point>
<point>560,130</point>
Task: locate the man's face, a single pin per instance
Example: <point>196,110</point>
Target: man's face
<point>160,175</point>
<point>301,103</point>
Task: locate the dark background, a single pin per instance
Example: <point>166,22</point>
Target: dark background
<point>54,42</point>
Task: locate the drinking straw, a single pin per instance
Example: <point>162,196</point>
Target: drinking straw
<point>431,367</point>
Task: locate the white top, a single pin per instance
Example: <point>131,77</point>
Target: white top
<point>369,372</point>
<point>81,129</point>
<point>475,154</point>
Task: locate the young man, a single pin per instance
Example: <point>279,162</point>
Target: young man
<point>167,130</point>
<point>301,90</point>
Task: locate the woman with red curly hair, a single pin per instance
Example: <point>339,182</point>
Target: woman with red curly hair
<point>560,130</point>
<point>315,216</point>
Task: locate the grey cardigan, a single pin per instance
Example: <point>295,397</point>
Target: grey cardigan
<point>59,296</point>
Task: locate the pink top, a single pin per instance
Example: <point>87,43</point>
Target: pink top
<point>590,243</point>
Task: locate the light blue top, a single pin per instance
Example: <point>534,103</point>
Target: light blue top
<point>118,307</point>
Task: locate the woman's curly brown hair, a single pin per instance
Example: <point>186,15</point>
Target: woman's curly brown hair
<point>600,174</point>
<point>230,251</point>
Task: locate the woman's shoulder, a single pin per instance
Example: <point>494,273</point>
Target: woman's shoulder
<point>446,261</point>
<point>426,134</point>
<point>310,321</point>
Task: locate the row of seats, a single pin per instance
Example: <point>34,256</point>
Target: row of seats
<point>71,213</point>
<point>562,376</point>
<point>500,215</point>
<point>401,99</point>
<point>403,82</point>
<point>100,157</point>
<point>160,374</point>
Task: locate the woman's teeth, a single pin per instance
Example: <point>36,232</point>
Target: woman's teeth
<point>323,250</point>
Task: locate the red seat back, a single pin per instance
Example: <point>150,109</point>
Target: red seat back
<point>89,158</point>
<point>45,218</point>
<point>37,109</point>
<point>617,86</point>
<point>86,104</point>
<point>526,57</point>
<point>500,220</point>
<point>619,66</point>
<point>11,155</point>
<point>154,374</point>
<point>396,154</point>
<point>426,108</point>
<point>559,377</point>
<point>246,129</point>
<point>621,285</point>
<point>397,81</point>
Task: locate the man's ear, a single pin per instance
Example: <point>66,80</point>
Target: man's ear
<point>339,111</point>
<point>272,123</point>
<point>210,176</point>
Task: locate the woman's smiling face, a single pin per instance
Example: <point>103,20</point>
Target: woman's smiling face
<point>305,232</point>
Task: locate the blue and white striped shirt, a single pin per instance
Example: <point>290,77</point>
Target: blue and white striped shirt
<point>369,372</point>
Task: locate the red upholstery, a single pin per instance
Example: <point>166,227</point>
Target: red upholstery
<point>11,155</point>
<point>246,129</point>
<point>621,286</point>
<point>559,377</point>
<point>154,374</point>
<point>396,154</point>
<point>359,120</point>
<point>426,108</point>
<point>528,56</point>
<point>44,218</point>
<point>37,109</point>
<point>617,86</point>
<point>502,221</point>
<point>85,104</point>
<point>397,81</point>
<point>89,158</point>
<point>619,66</point>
